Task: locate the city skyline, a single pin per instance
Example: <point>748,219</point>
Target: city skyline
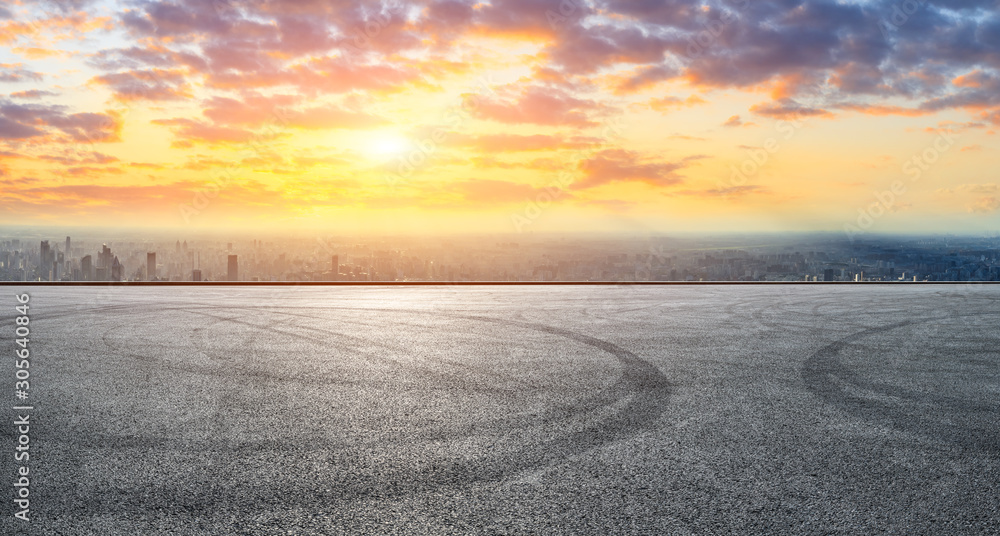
<point>505,116</point>
<point>774,258</point>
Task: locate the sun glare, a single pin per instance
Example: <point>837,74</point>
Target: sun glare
<point>384,146</point>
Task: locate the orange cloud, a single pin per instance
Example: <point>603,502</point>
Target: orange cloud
<point>33,94</point>
<point>619,165</point>
<point>158,202</point>
<point>90,171</point>
<point>985,205</point>
<point>730,192</point>
<point>542,164</point>
<point>73,26</point>
<point>335,74</point>
<point>500,143</point>
<point>669,103</point>
<point>788,85</point>
<point>541,106</point>
<point>15,72</point>
<point>733,121</point>
<point>44,124</point>
<point>35,53</point>
<point>883,109</point>
<point>495,192</point>
<point>975,79</point>
<point>149,84</point>
<point>787,109</point>
<point>189,131</point>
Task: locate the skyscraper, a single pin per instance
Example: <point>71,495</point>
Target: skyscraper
<point>234,271</point>
<point>67,247</point>
<point>104,260</point>
<point>117,270</point>
<point>45,261</point>
<point>151,266</point>
<point>87,268</point>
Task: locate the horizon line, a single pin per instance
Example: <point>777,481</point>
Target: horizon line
<point>463,283</point>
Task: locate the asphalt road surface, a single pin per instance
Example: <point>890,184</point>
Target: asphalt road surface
<point>509,410</point>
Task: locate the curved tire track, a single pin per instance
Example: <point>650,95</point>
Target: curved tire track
<point>825,375</point>
<point>631,404</point>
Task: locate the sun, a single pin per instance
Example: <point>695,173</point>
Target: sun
<point>386,145</point>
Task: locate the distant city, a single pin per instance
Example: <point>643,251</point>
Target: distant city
<point>485,258</point>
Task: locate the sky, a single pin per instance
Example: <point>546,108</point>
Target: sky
<point>506,116</point>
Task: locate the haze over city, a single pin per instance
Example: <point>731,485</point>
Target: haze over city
<point>34,255</point>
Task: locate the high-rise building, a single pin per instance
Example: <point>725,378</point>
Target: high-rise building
<point>44,261</point>
<point>67,246</point>
<point>234,270</point>
<point>151,266</point>
<point>828,274</point>
<point>87,268</point>
<point>334,268</point>
<point>104,260</point>
<point>195,275</point>
<point>117,270</point>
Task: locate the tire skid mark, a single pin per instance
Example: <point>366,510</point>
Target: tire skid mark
<point>640,396</point>
<point>824,374</point>
<point>188,367</point>
<point>368,356</point>
<point>556,412</point>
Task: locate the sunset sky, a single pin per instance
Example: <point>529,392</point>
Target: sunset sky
<point>502,116</point>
